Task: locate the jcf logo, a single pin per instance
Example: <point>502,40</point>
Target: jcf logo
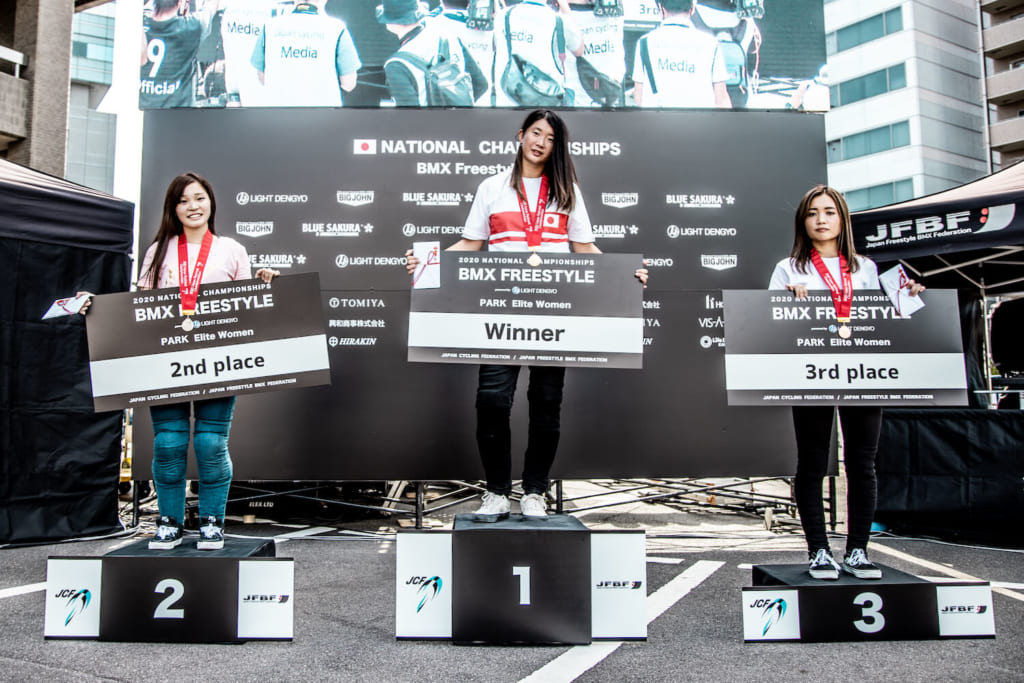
<point>78,601</point>
<point>772,613</point>
<point>430,588</point>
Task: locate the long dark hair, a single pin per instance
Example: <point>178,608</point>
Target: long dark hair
<point>559,169</point>
<point>170,226</point>
<point>802,246</point>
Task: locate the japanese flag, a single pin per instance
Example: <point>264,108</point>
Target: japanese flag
<point>364,146</point>
<point>554,221</point>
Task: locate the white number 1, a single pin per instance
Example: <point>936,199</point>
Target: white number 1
<point>524,584</point>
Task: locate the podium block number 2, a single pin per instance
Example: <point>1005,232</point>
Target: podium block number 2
<point>524,584</point>
<point>871,610</point>
<point>175,590</point>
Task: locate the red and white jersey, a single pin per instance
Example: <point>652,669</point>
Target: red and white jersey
<point>497,218</point>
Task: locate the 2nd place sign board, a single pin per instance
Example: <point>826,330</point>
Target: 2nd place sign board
<point>247,337</point>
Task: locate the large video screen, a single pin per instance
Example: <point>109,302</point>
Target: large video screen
<point>739,54</point>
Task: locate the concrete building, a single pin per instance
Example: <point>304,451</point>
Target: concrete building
<point>91,133</point>
<point>35,63</point>
<point>1003,44</point>
<point>908,115</point>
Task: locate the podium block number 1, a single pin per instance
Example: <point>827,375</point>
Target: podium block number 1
<point>524,584</point>
<point>177,591</point>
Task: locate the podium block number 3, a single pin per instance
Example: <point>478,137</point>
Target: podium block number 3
<point>524,584</point>
<point>176,590</point>
<point>871,610</point>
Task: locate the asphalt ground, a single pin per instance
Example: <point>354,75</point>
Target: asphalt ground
<point>344,614</point>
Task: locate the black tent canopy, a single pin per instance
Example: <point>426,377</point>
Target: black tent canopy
<point>958,469</point>
<point>58,459</point>
<point>969,235</point>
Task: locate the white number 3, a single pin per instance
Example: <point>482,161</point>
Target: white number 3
<point>871,610</point>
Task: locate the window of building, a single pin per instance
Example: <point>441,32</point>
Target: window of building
<point>880,195</point>
<point>877,83</point>
<point>869,142</point>
<point>864,31</point>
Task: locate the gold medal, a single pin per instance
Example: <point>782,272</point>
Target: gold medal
<point>535,259</point>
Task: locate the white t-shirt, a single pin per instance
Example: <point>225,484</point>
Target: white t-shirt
<point>240,27</point>
<point>686,63</point>
<point>533,36</point>
<point>602,47</point>
<point>304,55</point>
<point>786,273</point>
<point>226,261</point>
<point>496,217</point>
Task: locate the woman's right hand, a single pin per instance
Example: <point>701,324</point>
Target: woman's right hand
<point>799,291</point>
<point>410,262</point>
<point>86,305</point>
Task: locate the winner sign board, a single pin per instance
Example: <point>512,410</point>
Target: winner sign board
<point>780,350</point>
<point>582,310</point>
<point>247,336</point>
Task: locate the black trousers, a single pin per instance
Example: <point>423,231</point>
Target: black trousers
<point>861,427</point>
<point>494,394</point>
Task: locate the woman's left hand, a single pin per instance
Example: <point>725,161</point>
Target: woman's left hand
<point>641,274</point>
<point>267,274</point>
<point>914,287</point>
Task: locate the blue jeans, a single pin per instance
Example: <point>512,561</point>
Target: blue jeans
<point>494,394</point>
<point>210,443</point>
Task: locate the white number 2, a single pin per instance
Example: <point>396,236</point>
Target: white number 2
<point>524,584</point>
<point>871,610</point>
<point>177,591</point>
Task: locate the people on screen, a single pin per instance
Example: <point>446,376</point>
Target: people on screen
<point>431,66</point>
<point>305,58</point>
<point>172,36</point>
<point>678,65</point>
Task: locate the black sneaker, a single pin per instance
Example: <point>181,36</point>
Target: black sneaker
<point>211,534</point>
<point>857,563</point>
<point>822,565</point>
<point>168,534</point>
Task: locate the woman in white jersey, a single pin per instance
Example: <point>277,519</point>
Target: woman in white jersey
<point>536,206</point>
<point>823,257</point>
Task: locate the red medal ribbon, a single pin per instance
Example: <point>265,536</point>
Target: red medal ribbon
<point>534,222</point>
<point>189,287</point>
<point>842,298</point>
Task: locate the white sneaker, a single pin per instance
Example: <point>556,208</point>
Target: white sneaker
<point>534,505</point>
<point>494,505</point>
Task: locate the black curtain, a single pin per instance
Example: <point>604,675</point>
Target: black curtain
<point>58,459</point>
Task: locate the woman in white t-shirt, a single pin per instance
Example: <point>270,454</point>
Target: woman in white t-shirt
<point>508,214</point>
<point>187,230</point>
<point>823,257</point>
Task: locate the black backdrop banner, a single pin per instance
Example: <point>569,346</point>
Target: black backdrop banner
<point>707,197</point>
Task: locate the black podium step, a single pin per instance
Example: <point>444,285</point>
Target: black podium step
<point>233,547</point>
<point>785,603</point>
